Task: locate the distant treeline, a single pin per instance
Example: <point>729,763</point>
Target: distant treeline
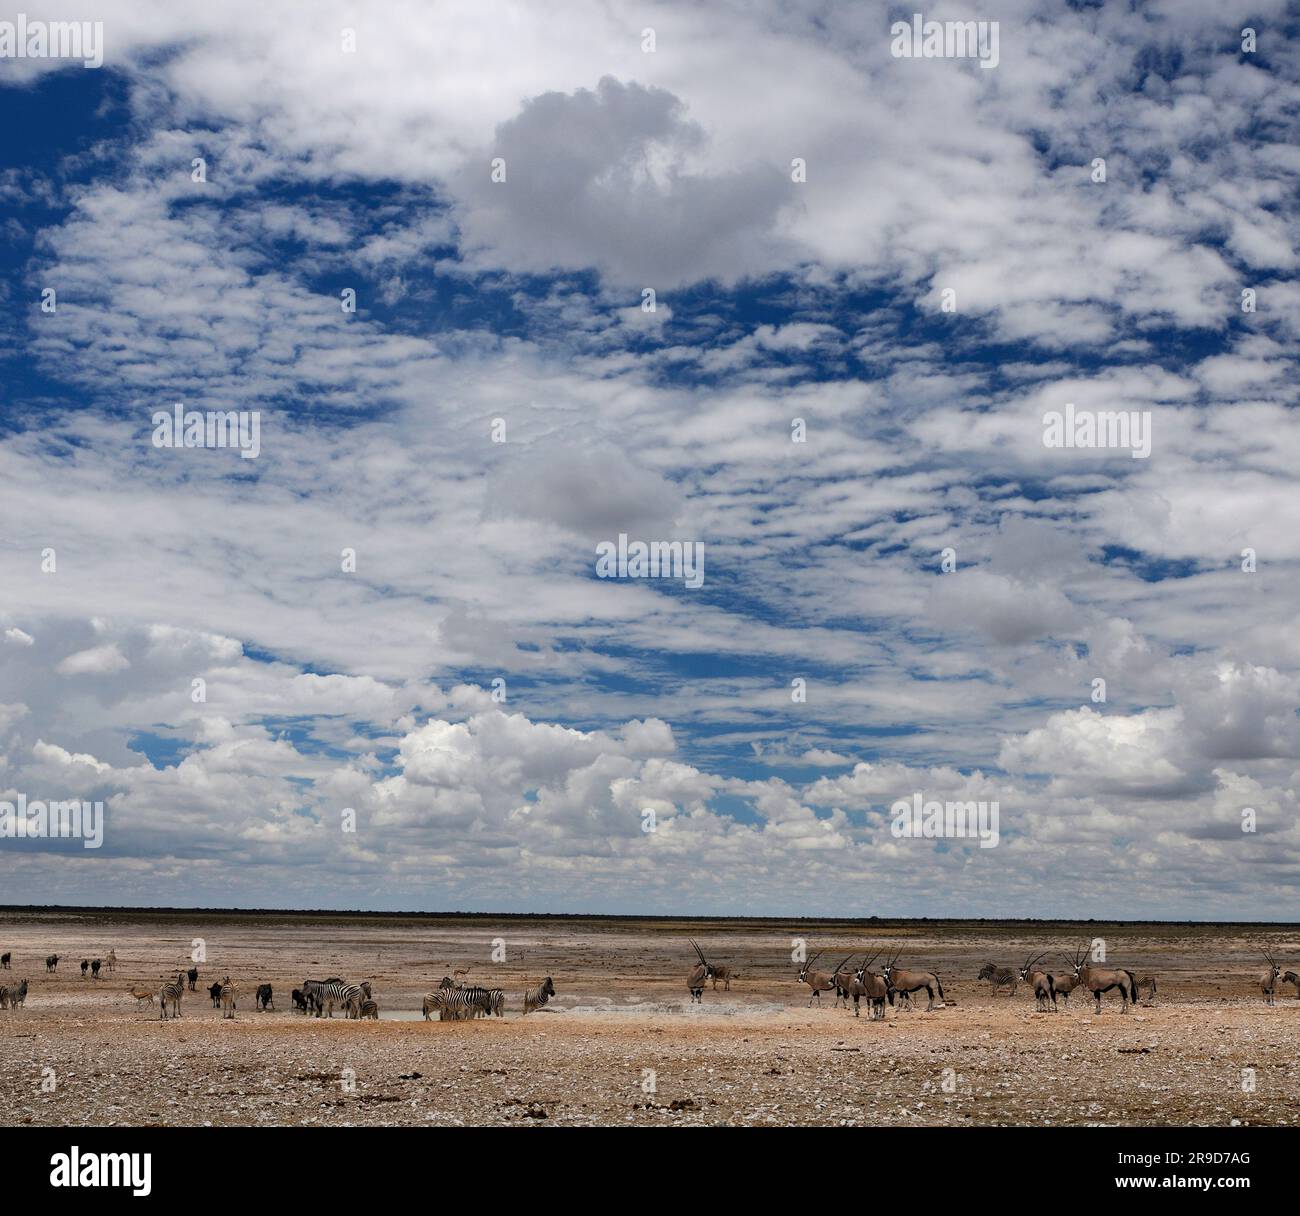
<point>620,917</point>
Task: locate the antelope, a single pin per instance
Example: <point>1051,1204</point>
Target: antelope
<point>1064,984</point>
<point>721,971</point>
<point>1043,984</point>
<point>699,974</point>
<point>843,978</point>
<point>818,981</point>
<point>142,996</point>
<point>912,981</point>
<point>999,977</point>
<point>111,960</point>
<point>872,986</point>
<point>1102,979</point>
<point>1268,979</point>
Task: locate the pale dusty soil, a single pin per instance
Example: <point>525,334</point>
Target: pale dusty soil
<point>755,1055</point>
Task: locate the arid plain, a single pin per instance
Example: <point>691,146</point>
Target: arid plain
<point>620,1043</point>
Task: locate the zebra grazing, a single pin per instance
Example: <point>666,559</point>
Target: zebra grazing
<point>328,993</point>
<point>4,959</point>
<point>369,1009</point>
<point>263,999</point>
<point>1147,985</point>
<point>999,977</point>
<point>171,991</point>
<point>52,963</point>
<point>537,998</point>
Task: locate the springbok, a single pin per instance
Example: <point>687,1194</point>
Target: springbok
<point>1043,984</point>
<point>1268,979</point>
<point>818,981</point>
<point>142,996</point>
<point>1102,979</point>
<point>872,986</point>
<point>699,974</point>
<point>912,981</point>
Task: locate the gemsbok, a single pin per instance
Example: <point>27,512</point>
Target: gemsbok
<point>1102,979</point>
<point>818,981</point>
<point>872,986</point>
<point>1043,984</point>
<point>912,981</point>
<point>1268,979</point>
<point>699,975</point>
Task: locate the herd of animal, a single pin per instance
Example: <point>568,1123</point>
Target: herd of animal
<point>454,1000</point>
<point>895,985</point>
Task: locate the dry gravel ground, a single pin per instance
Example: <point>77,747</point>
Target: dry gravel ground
<point>620,1044</point>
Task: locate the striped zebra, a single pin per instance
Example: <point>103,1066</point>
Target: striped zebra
<point>458,1004</point>
<point>331,992</point>
<point>228,994</point>
<point>1146,985</point>
<point>17,994</point>
<point>370,1009</point>
<point>171,991</point>
<point>999,977</point>
<point>537,998</point>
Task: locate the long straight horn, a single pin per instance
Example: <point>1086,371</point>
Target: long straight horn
<point>698,951</point>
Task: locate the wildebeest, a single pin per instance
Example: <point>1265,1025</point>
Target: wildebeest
<point>299,1001</point>
<point>85,966</point>
<point>95,965</point>
<point>52,963</point>
<point>193,976</point>
<point>4,959</point>
<point>215,993</point>
<point>262,999</point>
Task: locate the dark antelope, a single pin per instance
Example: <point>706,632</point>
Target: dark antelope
<point>912,981</point>
<point>1102,979</point>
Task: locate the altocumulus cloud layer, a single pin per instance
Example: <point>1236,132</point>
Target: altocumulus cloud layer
<point>518,304</point>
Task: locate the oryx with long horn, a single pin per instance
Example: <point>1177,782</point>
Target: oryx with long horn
<point>818,981</point>
<point>1102,979</point>
<point>1268,980</point>
<point>872,986</point>
<point>699,975</point>
<point>912,981</point>
<point>1043,984</point>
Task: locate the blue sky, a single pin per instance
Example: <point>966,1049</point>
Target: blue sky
<point>518,304</point>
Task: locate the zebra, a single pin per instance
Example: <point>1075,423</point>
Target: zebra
<point>331,992</point>
<point>18,995</point>
<point>171,991</point>
<point>228,995</point>
<point>999,977</point>
<point>369,1009</point>
<point>111,960</point>
<point>537,998</point>
<point>1146,984</point>
<point>455,1004</point>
